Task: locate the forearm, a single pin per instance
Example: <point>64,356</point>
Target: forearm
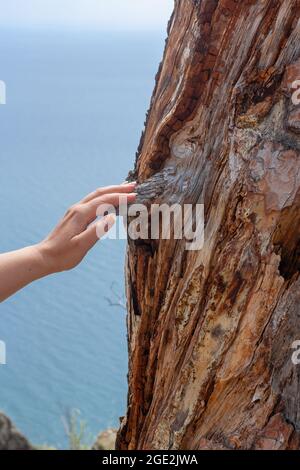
<point>19,268</point>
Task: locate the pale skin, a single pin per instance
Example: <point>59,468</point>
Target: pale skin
<point>66,246</point>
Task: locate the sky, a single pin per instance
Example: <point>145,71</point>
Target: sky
<point>105,14</point>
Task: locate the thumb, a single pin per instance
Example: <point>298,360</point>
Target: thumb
<point>97,230</point>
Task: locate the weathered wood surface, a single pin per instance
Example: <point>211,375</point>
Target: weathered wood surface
<point>210,331</point>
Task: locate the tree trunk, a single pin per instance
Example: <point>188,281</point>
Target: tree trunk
<point>211,331</point>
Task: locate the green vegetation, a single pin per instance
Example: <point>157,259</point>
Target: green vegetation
<point>77,431</point>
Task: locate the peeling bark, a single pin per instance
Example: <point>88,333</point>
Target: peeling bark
<point>210,331</point>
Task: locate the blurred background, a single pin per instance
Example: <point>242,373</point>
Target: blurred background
<point>79,77</point>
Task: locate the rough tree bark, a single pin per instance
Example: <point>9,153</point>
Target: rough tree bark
<point>210,332</point>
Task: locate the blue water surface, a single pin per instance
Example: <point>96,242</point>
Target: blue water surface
<point>76,103</point>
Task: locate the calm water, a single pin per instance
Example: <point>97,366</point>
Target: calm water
<point>75,109</point>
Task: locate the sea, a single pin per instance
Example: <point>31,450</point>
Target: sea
<point>75,108</point>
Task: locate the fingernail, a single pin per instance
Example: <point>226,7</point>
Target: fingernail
<point>130,183</point>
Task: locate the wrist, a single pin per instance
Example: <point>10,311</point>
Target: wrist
<point>45,259</point>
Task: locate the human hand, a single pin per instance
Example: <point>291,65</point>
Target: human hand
<point>75,234</point>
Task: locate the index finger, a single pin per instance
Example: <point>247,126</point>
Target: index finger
<point>121,188</point>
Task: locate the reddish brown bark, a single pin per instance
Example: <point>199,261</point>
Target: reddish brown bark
<point>210,332</point>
